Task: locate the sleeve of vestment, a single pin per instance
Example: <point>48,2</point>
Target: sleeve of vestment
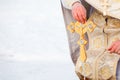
<point>68,3</point>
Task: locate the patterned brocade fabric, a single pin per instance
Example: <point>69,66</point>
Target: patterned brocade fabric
<point>100,64</point>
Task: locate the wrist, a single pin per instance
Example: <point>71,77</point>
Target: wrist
<point>77,2</point>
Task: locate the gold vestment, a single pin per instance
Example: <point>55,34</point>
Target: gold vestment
<point>100,63</point>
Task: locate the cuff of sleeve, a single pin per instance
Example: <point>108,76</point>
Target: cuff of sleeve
<point>69,3</point>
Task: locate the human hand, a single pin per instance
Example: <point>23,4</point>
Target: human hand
<point>115,47</point>
<point>79,12</point>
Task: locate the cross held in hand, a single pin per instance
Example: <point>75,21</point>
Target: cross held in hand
<point>81,29</point>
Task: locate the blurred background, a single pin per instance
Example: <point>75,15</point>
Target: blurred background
<point>33,41</point>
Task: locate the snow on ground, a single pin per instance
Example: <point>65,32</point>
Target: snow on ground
<point>33,41</point>
<point>15,70</point>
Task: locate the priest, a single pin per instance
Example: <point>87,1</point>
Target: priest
<point>103,48</point>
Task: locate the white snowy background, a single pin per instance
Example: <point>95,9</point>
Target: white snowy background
<point>33,41</point>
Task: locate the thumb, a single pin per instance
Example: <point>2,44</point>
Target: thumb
<point>109,48</point>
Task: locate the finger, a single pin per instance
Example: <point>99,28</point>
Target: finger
<point>74,13</point>
<point>119,52</point>
<point>114,48</point>
<point>81,17</point>
<point>117,48</point>
<point>82,12</point>
<point>111,46</point>
<point>84,20</point>
<point>78,15</point>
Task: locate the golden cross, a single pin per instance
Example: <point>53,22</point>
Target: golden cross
<point>81,29</point>
<point>105,5</point>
